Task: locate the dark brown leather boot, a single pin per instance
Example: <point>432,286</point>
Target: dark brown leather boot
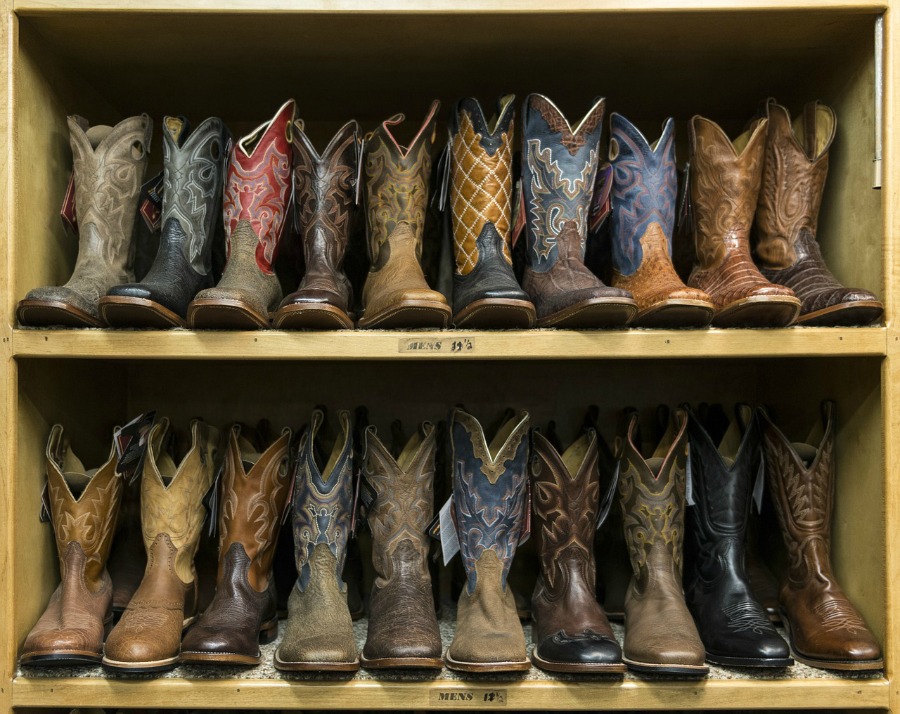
<point>826,630</point>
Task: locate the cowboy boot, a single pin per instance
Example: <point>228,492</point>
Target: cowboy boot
<point>660,636</point>
<point>787,217</point>
<point>826,631</point>
<point>559,168</point>
<point>396,293</point>
<point>724,187</point>
<point>762,582</point>
<point>732,624</point>
<point>108,168</point>
<point>243,612</point>
<point>485,290</point>
<point>255,206</point>
<point>571,632</point>
<point>319,631</point>
<point>84,505</point>
<point>148,637</point>
<point>324,203</point>
<point>490,484</point>
<point>643,218</point>
<point>193,166</point>
<point>127,559</point>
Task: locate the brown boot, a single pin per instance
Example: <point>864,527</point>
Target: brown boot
<point>826,631</point>
<point>148,637</point>
<point>84,506</point>
<point>128,558</point>
<point>244,610</point>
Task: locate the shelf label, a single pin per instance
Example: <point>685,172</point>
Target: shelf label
<point>443,345</point>
<point>482,698</point>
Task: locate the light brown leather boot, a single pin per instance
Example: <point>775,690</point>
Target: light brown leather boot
<point>148,637</point>
<point>84,505</point>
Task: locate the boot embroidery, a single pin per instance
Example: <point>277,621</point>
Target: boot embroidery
<point>834,615</point>
<point>746,616</point>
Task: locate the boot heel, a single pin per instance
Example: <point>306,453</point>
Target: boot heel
<point>268,631</point>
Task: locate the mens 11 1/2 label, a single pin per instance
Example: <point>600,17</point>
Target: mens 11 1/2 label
<point>481,698</point>
<point>442,345</point>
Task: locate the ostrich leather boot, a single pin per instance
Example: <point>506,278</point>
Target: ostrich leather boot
<point>559,168</point>
<point>193,169</point>
<point>485,290</point>
<point>571,632</point>
<point>84,505</point>
<point>826,630</point>
<point>128,558</point>
<point>403,629</point>
<point>148,637</point>
<point>643,218</point>
<point>108,165</point>
<point>490,484</point>
<point>397,177</point>
<point>724,187</point>
<point>319,631</point>
<point>660,636</point>
<point>255,208</point>
<point>324,204</point>
<point>787,218</point>
<point>243,612</point>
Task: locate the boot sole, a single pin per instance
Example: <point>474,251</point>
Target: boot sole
<point>840,665</point>
<point>850,314</point>
<point>119,311</point>
<point>675,313</point>
<point>402,662</point>
<point>311,316</point>
<point>758,311</point>
<point>756,662</point>
<point>73,658</point>
<point>283,666</point>
<point>43,313</point>
<point>591,667</point>
<point>596,313</point>
<point>159,665</point>
<point>520,666</point>
<point>268,632</point>
<point>496,314</point>
<point>409,314</point>
<point>683,670</point>
<point>224,315</point>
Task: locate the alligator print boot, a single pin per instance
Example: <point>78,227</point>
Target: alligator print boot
<point>324,204</point>
<point>194,167</point>
<point>826,630</point>
<point>787,218</point>
<point>84,505</point>
<point>108,168</point>
<point>255,206</point>
<point>644,192</point>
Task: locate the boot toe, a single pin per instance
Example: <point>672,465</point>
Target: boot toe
<point>67,296</point>
<point>133,290</point>
<point>588,648</point>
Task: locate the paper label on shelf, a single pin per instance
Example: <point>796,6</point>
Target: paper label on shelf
<point>467,697</point>
<point>688,485</point>
<point>445,345</point>
<point>759,485</point>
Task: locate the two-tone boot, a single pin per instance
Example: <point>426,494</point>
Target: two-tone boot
<point>255,207</point>
<point>84,505</point>
<point>148,637</point>
<point>193,169</point>
<point>826,630</point>
<point>108,168</point>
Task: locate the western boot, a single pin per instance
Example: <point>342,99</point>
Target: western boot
<point>571,632</point>
<point>255,206</point>
<point>559,168</point>
<point>128,558</point>
<point>660,636</point>
<point>193,167</point>
<point>395,293</point>
<point>148,637</point>
<point>485,290</point>
<point>244,611</point>
<point>787,217</point>
<point>724,187</point>
<point>732,624</point>
<point>403,628</point>
<point>108,165</point>
<point>645,186</point>
<point>84,505</point>
<point>319,631</point>
<point>826,630</point>
<point>762,582</point>
<point>490,484</point>
<point>324,204</point>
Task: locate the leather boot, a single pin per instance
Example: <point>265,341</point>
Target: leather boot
<point>128,558</point>
<point>255,206</point>
<point>826,630</point>
<point>762,582</point>
<point>244,611</point>
<point>324,204</point>
<point>724,187</point>
<point>398,519</point>
<point>571,632</point>
<point>788,214</point>
<point>660,636</point>
<point>194,167</point>
<point>396,293</point>
<point>108,168</point>
<point>559,168</point>
<point>148,637</point>
<point>732,624</point>
<point>644,193</point>
<point>485,290</point>
<point>319,631</point>
<point>490,483</point>
<point>84,505</point>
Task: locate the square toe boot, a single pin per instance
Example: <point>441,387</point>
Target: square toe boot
<point>84,506</point>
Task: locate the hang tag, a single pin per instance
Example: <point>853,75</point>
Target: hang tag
<point>759,485</point>
<point>67,211</point>
<point>46,515</point>
<point>689,484</point>
<point>151,201</point>
<point>684,206</point>
<point>518,212</point>
<point>363,500</point>
<point>360,156</point>
<point>601,203</point>
<point>448,535</point>
<point>443,174</point>
<point>289,504</point>
<point>526,526</point>
<point>211,502</point>
<point>609,497</point>
<point>131,446</point>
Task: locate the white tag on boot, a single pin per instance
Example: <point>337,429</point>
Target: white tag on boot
<point>689,483</point>
<point>759,485</point>
<point>449,536</point>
